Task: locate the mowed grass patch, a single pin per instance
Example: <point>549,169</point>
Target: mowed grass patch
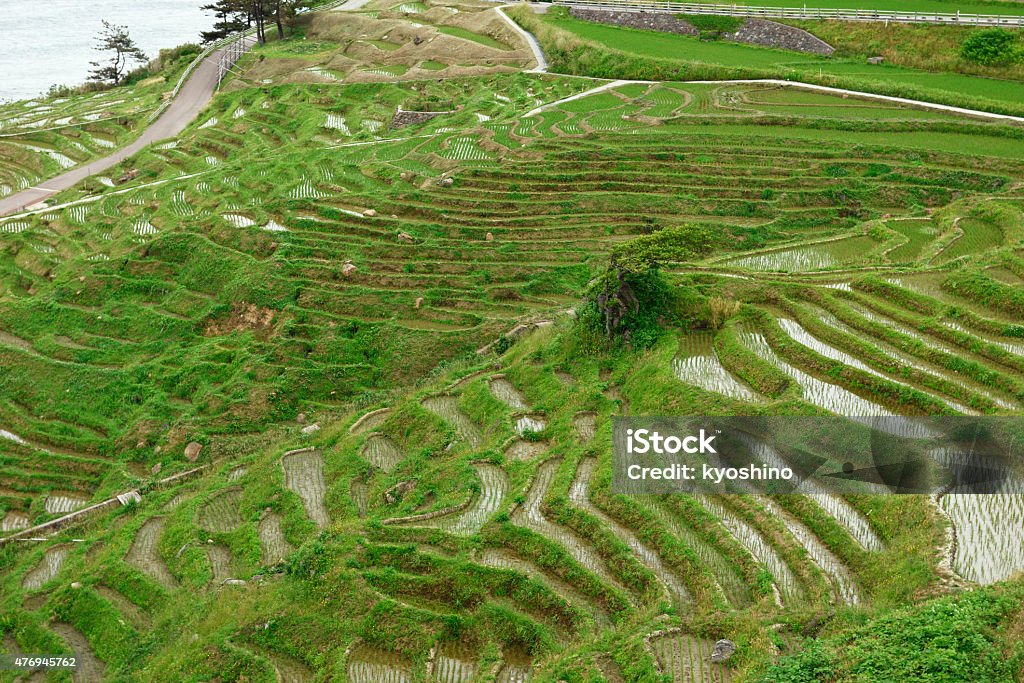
<point>974,86</point>
<point>672,46</point>
<point>466,34</point>
<point>957,143</point>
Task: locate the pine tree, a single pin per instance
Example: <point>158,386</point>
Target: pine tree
<point>231,17</point>
<point>115,39</point>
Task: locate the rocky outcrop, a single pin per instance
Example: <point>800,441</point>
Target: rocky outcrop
<point>771,34</point>
<point>751,31</point>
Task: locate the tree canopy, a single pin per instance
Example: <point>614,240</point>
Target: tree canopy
<point>116,39</point>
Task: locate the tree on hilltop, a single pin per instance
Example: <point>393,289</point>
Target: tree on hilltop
<point>115,39</point>
<point>231,17</point>
<point>236,15</point>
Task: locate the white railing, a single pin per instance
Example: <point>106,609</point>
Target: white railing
<point>233,39</point>
<point>229,55</point>
<point>958,18</point>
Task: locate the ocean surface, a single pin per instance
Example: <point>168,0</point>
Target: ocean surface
<point>47,42</point>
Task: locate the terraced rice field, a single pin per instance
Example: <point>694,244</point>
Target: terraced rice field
<point>48,568</point>
<point>304,474</point>
<point>300,256</point>
<point>493,489</point>
<point>578,494</point>
<point>367,664</point>
<point>221,513</point>
<point>686,659</point>
<point>454,664</point>
<point>382,452</point>
<point>144,553</point>
<point>89,667</point>
<point>273,544</point>
<point>697,364</point>
<point>530,515</point>
<point>447,408</point>
<point>220,562</point>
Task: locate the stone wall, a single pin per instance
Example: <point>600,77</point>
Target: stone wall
<point>752,31</point>
<point>404,118</point>
<point>771,34</point>
<point>650,21</point>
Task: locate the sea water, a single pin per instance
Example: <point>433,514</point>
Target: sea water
<point>48,42</point>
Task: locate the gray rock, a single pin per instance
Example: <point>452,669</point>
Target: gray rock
<point>192,451</point>
<point>723,650</point>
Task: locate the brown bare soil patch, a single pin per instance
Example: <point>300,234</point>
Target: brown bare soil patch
<point>243,318</point>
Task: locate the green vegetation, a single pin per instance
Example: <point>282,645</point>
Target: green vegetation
<point>581,47</point>
<point>711,26</point>
<point>925,47</point>
<point>952,639</point>
<point>992,47</point>
<point>406,462</point>
<point>466,34</point>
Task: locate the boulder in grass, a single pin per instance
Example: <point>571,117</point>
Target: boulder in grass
<point>192,451</point>
<point>723,650</point>
<point>310,430</point>
<point>397,492</point>
<point>405,237</point>
<point>348,269</point>
<point>301,418</point>
<point>489,237</point>
<point>370,213</point>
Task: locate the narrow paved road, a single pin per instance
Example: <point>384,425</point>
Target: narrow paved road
<point>192,97</point>
<point>538,54</point>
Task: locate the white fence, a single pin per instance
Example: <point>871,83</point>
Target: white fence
<point>958,18</point>
<point>230,54</point>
